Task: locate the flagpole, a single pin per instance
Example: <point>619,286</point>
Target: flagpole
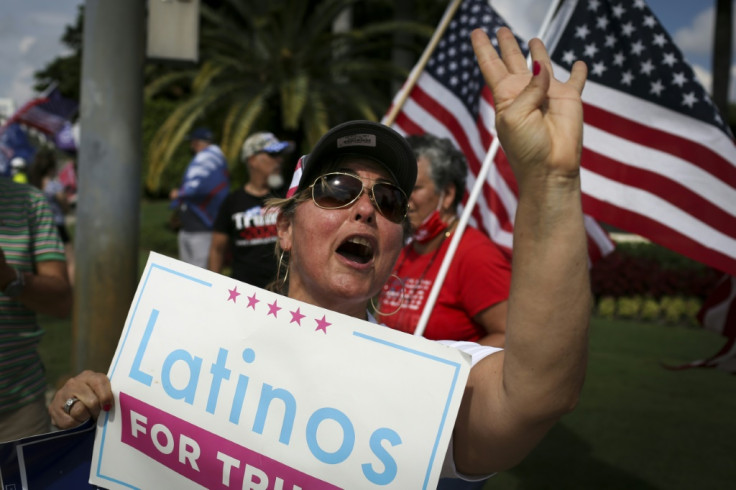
<point>400,100</point>
<point>469,205</point>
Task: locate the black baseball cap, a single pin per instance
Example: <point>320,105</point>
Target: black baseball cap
<point>363,138</point>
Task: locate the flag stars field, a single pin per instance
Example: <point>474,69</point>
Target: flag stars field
<point>644,60</point>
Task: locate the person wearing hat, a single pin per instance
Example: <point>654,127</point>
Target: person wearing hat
<point>242,230</point>
<point>343,228</point>
<point>204,186</point>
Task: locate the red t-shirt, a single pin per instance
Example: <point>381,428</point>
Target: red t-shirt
<point>478,278</point>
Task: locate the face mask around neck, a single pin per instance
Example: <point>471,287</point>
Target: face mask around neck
<point>431,226</point>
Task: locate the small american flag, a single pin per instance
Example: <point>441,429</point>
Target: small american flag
<point>47,113</point>
<point>451,100</point>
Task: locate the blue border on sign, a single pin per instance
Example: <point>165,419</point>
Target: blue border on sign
<point>453,385</point>
<point>149,271</point>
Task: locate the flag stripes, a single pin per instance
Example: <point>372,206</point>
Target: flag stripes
<point>650,180</point>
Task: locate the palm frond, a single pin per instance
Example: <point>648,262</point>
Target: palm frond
<point>240,122</point>
<point>158,84</point>
<point>293,98</point>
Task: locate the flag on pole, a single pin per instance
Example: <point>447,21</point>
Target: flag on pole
<point>658,159</point>
<point>450,99</point>
<point>48,113</point>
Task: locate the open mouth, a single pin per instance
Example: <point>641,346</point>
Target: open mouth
<point>356,249</point>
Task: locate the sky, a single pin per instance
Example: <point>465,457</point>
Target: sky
<point>30,33</point>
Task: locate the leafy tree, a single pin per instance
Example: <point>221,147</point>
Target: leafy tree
<point>278,65</point>
<point>65,70</point>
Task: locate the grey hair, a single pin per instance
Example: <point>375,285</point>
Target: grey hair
<point>447,164</point>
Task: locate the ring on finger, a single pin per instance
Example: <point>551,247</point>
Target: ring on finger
<point>69,404</point>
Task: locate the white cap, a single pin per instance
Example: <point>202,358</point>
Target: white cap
<point>18,162</point>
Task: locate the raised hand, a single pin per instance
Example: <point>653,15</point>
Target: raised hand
<point>538,118</point>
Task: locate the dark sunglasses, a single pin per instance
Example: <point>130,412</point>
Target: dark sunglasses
<point>339,190</point>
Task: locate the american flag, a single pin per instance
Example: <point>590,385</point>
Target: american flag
<point>48,113</point>
<point>658,159</point>
<point>450,99</point>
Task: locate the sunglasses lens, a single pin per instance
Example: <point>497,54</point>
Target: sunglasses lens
<point>390,201</point>
<point>332,191</point>
<point>336,190</point>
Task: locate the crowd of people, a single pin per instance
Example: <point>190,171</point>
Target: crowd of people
<point>364,234</point>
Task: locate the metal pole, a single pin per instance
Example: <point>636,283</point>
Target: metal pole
<point>722,55</point>
<point>106,238</point>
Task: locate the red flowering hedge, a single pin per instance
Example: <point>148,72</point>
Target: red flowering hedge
<point>647,282</point>
<point>645,269</point>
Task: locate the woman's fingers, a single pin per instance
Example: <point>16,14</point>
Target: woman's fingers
<point>511,53</point>
<point>578,75</point>
<point>80,398</point>
<point>491,65</point>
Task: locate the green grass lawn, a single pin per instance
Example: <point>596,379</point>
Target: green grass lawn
<point>638,426</point>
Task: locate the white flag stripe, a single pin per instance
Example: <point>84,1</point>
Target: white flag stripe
<point>487,115</point>
<point>642,202</point>
<point>626,151</point>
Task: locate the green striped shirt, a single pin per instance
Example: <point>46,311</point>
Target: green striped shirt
<point>27,236</point>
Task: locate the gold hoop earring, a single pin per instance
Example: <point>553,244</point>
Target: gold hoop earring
<point>401,300</point>
<point>282,283</point>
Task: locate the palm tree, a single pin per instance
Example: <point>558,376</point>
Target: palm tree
<point>278,65</point>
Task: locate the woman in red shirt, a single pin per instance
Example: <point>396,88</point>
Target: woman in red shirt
<point>473,300</point>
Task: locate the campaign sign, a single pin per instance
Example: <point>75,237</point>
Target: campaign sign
<point>219,384</point>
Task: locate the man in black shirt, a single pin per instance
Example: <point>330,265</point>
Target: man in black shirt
<point>241,226</point>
